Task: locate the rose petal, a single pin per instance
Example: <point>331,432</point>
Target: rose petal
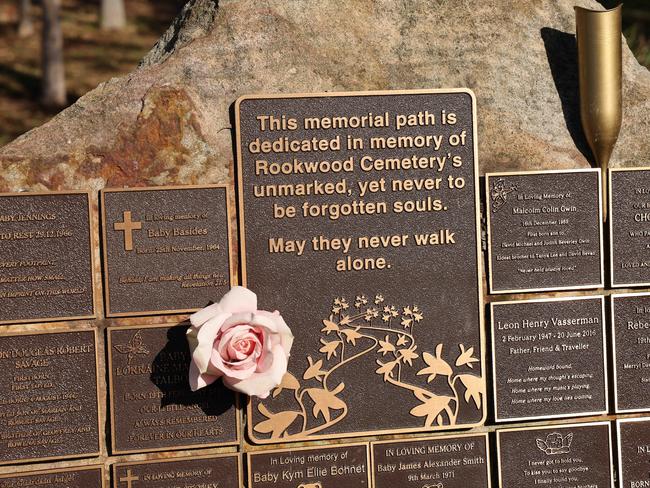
<point>239,299</point>
<point>198,380</point>
<point>260,384</point>
<point>201,339</point>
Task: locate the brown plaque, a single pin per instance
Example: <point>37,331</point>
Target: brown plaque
<point>166,249</point>
<point>560,456</point>
<point>83,477</point>
<point>634,453</point>
<point>49,403</point>
<point>334,466</point>
<point>629,226</point>
<point>449,462</point>
<point>46,257</point>
<point>544,230</point>
<point>549,358</point>
<point>359,223</point>
<point>152,405</point>
<point>213,471</point>
<point>631,343</point>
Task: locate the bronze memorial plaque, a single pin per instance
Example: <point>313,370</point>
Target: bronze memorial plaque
<point>49,402</point>
<point>211,471</point>
<point>83,477</point>
<point>334,466</point>
<point>359,224</point>
<point>152,405</point>
<point>544,230</point>
<point>629,226</point>
<point>40,278</point>
<point>631,345</point>
<point>166,249</point>
<point>450,462</point>
<point>556,456</point>
<point>633,453</point>
<point>549,358</point>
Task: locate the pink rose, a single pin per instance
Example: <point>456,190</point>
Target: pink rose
<point>248,348</point>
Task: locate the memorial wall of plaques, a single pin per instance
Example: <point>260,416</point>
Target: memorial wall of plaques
<point>359,219</point>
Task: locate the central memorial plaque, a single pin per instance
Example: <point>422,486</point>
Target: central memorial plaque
<point>49,402</point>
<point>358,216</point>
<point>152,405</point>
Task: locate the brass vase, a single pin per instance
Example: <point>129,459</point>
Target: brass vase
<point>600,71</point>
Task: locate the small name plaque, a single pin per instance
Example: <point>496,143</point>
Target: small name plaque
<point>633,452</point>
<point>85,477</point>
<point>544,230</point>
<point>49,404</point>
<point>631,343</point>
<point>336,466</point>
<point>166,249</point>
<point>41,279</point>
<point>213,471</point>
<point>549,358</point>
<point>560,456</point>
<point>629,221</point>
<point>152,405</point>
<point>449,462</point>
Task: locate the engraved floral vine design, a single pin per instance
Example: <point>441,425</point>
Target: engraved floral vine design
<point>358,328</point>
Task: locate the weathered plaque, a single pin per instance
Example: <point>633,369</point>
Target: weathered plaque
<point>166,249</point>
<point>336,466</point>
<point>49,404</point>
<point>634,453</point>
<point>359,223</point>
<point>152,405</point>
<point>560,456</point>
<point>631,344</point>
<point>629,226</point>
<point>46,257</point>
<point>213,471</point>
<point>544,230</point>
<point>84,477</point>
<point>549,358</point>
<point>449,462</point>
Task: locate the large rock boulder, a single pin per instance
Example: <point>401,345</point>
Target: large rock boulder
<point>170,121</point>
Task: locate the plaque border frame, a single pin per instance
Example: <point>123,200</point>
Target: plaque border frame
<point>488,208</point>
<point>92,247</point>
<point>610,198</point>
<point>500,420</point>
<point>97,453</point>
<point>613,296</point>
<point>484,435</point>
<point>237,455</point>
<point>104,252</point>
<point>619,444</point>
<point>552,426</point>
<point>73,469</point>
<point>113,450</point>
<point>251,454</point>
<point>479,253</point>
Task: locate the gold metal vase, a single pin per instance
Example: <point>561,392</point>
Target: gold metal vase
<point>598,34</point>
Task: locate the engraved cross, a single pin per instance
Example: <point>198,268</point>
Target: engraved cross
<point>127,226</point>
<point>129,478</point>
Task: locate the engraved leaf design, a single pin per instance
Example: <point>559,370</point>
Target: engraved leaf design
<point>386,369</point>
<point>401,340</point>
<point>330,347</point>
<point>474,388</point>
<point>345,320</point>
<point>431,408</point>
<point>329,327</point>
<point>386,346</point>
<point>275,424</point>
<point>351,335</point>
<point>436,365</point>
<point>466,357</point>
<point>133,347</point>
<point>325,400</point>
<point>289,382</point>
<point>408,355</point>
<point>314,370</point>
